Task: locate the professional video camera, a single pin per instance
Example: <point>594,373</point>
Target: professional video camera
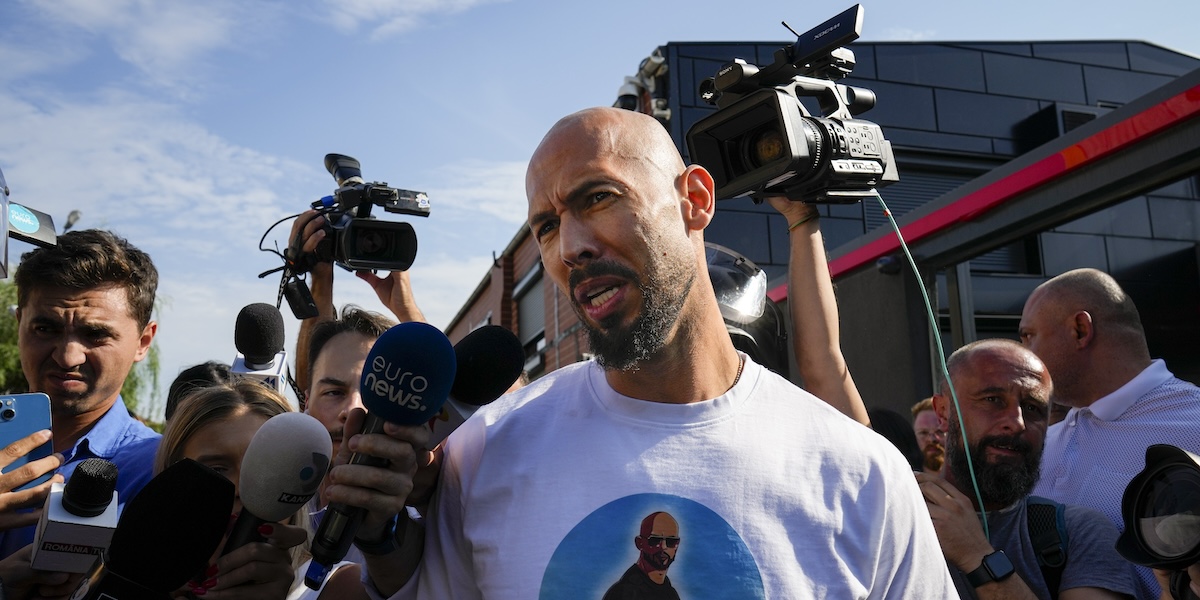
<point>1161,510</point>
<point>762,141</point>
<point>358,241</point>
<point>354,239</point>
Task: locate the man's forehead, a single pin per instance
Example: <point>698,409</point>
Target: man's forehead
<point>1014,372</point>
<point>103,304</point>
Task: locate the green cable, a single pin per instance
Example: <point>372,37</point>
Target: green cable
<point>937,339</point>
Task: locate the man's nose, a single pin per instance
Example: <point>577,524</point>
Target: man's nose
<point>69,354</point>
<point>577,244</point>
<point>353,400</point>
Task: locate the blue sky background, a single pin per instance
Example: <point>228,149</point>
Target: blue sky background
<point>190,127</point>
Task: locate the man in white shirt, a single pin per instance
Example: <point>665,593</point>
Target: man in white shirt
<point>782,496</point>
<point>1087,331</point>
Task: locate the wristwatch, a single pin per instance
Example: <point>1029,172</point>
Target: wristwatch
<point>995,567</point>
<point>384,545</point>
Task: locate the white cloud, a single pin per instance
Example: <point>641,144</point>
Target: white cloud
<point>166,41</point>
<point>443,283</point>
<point>485,192</point>
<point>385,18</point>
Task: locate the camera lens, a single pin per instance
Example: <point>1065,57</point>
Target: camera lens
<point>7,413</point>
<point>372,243</point>
<point>766,146</point>
<point>1168,511</point>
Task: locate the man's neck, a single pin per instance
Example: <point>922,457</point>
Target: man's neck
<point>699,363</point>
<point>1104,377</point>
<point>68,429</point>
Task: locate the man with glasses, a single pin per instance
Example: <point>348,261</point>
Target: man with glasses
<point>657,543</point>
<point>929,437</point>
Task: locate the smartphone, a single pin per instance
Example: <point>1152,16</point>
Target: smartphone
<point>21,415</point>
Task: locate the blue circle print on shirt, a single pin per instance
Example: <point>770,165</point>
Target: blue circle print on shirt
<point>711,560</point>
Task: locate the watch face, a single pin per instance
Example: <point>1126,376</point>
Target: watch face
<point>998,565</point>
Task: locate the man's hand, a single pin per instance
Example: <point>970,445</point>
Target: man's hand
<point>383,491</point>
<point>956,522</point>
<point>394,291</point>
<point>256,570</point>
<point>792,210</point>
<point>22,581</point>
<point>307,231</point>
<point>10,501</point>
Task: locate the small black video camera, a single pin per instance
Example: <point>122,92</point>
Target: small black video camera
<point>358,241</point>
<point>763,141</point>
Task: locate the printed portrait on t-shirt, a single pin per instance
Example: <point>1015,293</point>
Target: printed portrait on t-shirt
<point>652,546</point>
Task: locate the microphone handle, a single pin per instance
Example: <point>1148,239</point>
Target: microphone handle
<point>103,584</point>
<point>332,540</point>
<point>245,531</point>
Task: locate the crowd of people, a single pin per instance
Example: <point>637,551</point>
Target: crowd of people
<point>723,473</point>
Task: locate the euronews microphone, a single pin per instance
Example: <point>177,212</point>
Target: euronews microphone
<point>405,380</point>
<point>282,468</point>
<point>166,534</point>
<point>490,359</point>
<point>258,337</point>
<point>78,520</point>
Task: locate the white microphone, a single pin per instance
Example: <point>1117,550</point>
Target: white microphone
<point>281,470</point>
<point>78,520</point>
<point>258,337</point>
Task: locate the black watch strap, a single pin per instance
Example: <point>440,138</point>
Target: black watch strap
<point>995,567</point>
<point>384,545</point>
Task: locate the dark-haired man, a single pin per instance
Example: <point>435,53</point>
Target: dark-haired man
<point>1003,394</point>
<point>84,318</point>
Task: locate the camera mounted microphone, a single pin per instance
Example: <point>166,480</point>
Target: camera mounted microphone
<point>405,380</point>
<point>258,337</point>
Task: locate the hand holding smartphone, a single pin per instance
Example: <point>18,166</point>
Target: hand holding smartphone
<point>22,416</point>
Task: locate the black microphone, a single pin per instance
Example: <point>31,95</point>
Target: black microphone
<point>258,337</point>
<point>165,535</point>
<point>490,359</point>
<point>78,520</point>
<point>282,468</point>
<point>405,379</point>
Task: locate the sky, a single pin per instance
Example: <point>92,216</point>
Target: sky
<point>191,127</point>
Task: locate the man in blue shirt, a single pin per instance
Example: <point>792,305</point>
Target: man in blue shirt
<point>83,312</point>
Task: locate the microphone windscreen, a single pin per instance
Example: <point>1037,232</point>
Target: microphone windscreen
<point>283,465</point>
<point>258,333</point>
<point>90,489</point>
<point>408,374</point>
<point>168,531</point>
<point>489,359</point>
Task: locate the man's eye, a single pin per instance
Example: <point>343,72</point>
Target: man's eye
<point>545,228</point>
<point>598,197</point>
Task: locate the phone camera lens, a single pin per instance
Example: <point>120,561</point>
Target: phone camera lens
<point>7,413</point>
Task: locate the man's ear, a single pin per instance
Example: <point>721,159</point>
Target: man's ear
<point>941,408</point>
<point>1082,329</point>
<point>700,197</point>
<point>144,340</point>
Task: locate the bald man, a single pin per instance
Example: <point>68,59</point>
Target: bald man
<point>657,542</point>
<point>1087,331</point>
<point>796,500</point>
